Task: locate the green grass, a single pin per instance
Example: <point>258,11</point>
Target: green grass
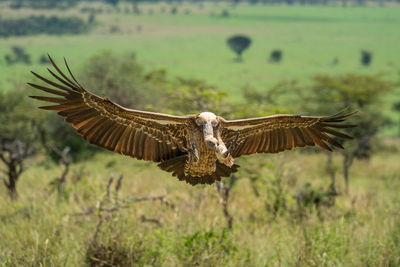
<point>361,229</point>
<point>194,45</point>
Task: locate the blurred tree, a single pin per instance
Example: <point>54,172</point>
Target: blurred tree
<point>31,25</point>
<point>225,13</point>
<point>55,133</point>
<point>92,18</point>
<point>238,44</point>
<point>114,3</point>
<point>262,103</point>
<point>364,94</point>
<point>43,4</point>
<point>17,4</point>
<point>366,58</point>
<point>19,135</point>
<point>18,55</point>
<point>193,96</point>
<point>135,3</point>
<point>396,107</point>
<point>275,56</point>
<point>174,10</point>
<point>224,189</point>
<point>44,59</point>
<point>123,80</point>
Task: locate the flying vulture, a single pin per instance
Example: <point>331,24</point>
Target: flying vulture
<point>198,148</point>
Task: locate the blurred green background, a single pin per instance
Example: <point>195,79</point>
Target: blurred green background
<point>58,205</point>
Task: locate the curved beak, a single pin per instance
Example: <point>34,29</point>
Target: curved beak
<point>212,142</point>
<point>209,138</point>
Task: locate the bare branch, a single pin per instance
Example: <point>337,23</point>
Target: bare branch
<point>13,153</point>
<point>65,159</point>
<point>110,180</point>
<point>7,185</point>
<point>107,206</point>
<point>118,187</point>
<point>4,159</point>
<point>143,218</point>
<point>162,199</point>
<point>224,190</point>
<point>119,183</point>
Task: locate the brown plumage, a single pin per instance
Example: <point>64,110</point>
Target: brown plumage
<point>196,148</point>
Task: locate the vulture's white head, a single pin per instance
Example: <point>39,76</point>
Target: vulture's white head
<point>209,121</point>
<point>207,117</point>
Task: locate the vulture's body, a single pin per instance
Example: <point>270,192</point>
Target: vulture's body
<point>198,148</point>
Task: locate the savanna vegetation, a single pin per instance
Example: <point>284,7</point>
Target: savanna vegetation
<point>64,202</point>
<point>41,24</point>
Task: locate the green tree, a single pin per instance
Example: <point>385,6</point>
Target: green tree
<point>194,96</point>
<point>364,94</point>
<point>19,135</point>
<point>123,80</point>
<point>238,44</point>
<point>113,2</point>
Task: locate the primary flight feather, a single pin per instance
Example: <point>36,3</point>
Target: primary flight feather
<point>198,148</point>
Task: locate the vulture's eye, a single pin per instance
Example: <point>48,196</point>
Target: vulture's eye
<point>199,122</point>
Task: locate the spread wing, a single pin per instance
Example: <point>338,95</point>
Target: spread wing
<point>277,133</point>
<point>139,134</point>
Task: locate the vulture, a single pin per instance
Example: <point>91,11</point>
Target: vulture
<point>200,148</point>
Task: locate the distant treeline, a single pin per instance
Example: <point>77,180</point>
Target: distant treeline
<point>40,24</point>
<point>64,3</point>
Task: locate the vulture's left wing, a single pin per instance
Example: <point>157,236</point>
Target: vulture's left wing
<point>277,133</point>
<point>143,135</point>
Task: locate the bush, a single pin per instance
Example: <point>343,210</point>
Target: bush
<point>206,248</point>
<point>122,79</point>
<point>323,246</point>
<point>114,250</point>
<point>174,10</point>
<point>43,4</point>
<point>58,133</point>
<point>44,59</point>
<point>193,96</point>
<point>18,56</point>
<point>366,58</point>
<point>364,93</point>
<point>275,56</point>
<point>17,108</point>
<point>91,18</point>
<point>225,13</point>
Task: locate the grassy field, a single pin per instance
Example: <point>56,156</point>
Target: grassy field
<point>361,229</point>
<point>194,45</point>
<point>272,224</point>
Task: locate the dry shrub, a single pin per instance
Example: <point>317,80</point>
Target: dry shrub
<point>110,250</point>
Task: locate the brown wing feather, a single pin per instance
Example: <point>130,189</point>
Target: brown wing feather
<point>140,134</point>
<point>277,133</point>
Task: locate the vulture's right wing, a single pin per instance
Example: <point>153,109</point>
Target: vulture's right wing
<point>139,134</point>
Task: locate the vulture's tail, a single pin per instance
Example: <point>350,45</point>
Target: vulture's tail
<point>177,167</point>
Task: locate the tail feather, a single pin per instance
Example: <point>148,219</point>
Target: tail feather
<point>177,167</point>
